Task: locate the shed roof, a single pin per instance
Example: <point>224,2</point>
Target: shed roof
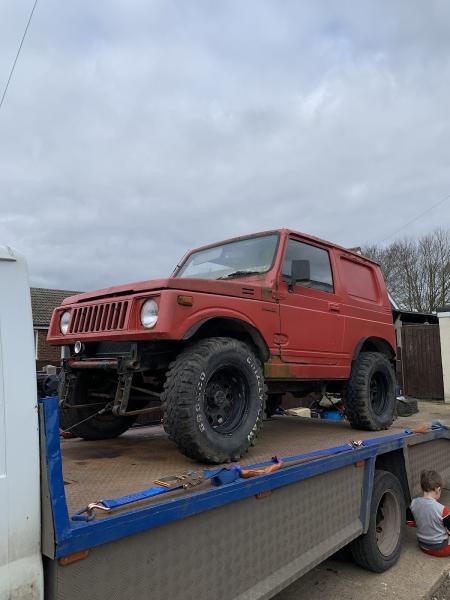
<point>410,316</point>
<point>445,308</point>
<point>43,303</point>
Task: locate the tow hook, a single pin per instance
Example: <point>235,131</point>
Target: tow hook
<point>88,513</point>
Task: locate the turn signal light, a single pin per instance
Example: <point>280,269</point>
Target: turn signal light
<point>185,300</point>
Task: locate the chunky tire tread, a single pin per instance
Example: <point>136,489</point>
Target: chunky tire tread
<point>356,397</point>
<point>364,548</point>
<point>179,398</point>
<point>407,407</point>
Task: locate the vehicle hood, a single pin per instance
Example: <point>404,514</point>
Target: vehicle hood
<point>248,287</point>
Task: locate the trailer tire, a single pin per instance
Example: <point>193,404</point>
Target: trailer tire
<point>379,548</point>
<point>100,427</point>
<point>214,400</point>
<point>369,396</point>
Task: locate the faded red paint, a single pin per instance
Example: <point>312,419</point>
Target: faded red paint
<point>310,334</point>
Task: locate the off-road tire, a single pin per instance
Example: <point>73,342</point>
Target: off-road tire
<point>100,427</point>
<point>406,407</point>
<point>185,399</point>
<point>379,548</point>
<point>359,408</point>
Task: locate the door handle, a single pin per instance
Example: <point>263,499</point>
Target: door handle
<point>334,307</point>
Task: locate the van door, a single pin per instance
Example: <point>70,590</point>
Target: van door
<point>20,520</point>
<point>3,490</point>
<point>310,310</point>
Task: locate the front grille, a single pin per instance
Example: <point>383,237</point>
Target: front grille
<point>109,316</point>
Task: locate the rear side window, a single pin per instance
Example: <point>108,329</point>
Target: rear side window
<point>321,277</point>
<point>359,280</point>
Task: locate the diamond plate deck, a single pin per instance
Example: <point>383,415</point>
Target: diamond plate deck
<point>132,462</point>
<point>247,550</point>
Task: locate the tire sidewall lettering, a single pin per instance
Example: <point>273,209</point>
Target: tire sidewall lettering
<point>199,401</point>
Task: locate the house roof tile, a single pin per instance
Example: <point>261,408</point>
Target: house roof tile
<point>43,303</point>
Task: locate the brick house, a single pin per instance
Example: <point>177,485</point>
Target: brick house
<point>43,302</point>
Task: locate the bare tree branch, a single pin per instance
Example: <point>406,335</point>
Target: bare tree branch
<point>417,271</point>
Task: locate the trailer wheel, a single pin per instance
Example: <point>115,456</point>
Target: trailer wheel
<point>379,548</point>
<point>99,427</point>
<point>369,396</point>
<point>214,399</point>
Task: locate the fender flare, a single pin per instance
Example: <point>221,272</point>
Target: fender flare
<point>381,345</point>
<point>245,326</point>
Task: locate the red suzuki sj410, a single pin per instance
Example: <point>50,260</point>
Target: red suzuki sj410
<point>238,324</point>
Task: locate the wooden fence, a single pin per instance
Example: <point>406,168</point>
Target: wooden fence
<point>422,362</point>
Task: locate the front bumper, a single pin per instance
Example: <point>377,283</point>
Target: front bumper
<point>120,357</point>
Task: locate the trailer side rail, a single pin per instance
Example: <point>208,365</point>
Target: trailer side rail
<point>71,536</point>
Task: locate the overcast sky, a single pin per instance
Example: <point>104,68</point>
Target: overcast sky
<point>136,129</point>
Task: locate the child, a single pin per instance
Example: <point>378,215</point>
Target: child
<point>432,518</point>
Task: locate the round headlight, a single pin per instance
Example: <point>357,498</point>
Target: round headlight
<point>64,322</point>
<point>149,314</point>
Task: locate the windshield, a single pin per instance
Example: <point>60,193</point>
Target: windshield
<point>234,259</point>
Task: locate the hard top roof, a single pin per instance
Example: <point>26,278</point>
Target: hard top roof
<point>285,231</point>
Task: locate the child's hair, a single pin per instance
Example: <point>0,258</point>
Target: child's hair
<point>430,481</point>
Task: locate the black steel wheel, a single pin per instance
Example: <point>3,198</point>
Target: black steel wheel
<point>214,399</point>
<point>378,390</point>
<point>226,399</point>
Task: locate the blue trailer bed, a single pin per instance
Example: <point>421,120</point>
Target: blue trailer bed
<point>266,530</point>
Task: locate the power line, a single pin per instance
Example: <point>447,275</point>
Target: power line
<point>430,208</point>
<point>18,53</point>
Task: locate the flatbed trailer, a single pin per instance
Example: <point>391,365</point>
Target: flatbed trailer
<point>243,540</point>
<point>248,539</point>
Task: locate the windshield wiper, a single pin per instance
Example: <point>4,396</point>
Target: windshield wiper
<point>239,274</point>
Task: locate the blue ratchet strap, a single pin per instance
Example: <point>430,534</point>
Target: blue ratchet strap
<point>436,425</point>
<point>176,483</point>
<point>231,473</point>
<point>224,475</point>
<point>88,513</point>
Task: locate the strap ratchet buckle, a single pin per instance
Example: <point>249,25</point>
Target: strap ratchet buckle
<point>185,481</point>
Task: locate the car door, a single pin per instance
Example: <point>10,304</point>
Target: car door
<point>312,326</point>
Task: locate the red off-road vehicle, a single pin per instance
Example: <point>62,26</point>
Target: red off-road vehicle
<point>238,324</point>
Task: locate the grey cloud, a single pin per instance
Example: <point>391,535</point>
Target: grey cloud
<point>135,130</point>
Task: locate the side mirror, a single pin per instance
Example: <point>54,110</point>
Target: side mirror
<point>301,271</point>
